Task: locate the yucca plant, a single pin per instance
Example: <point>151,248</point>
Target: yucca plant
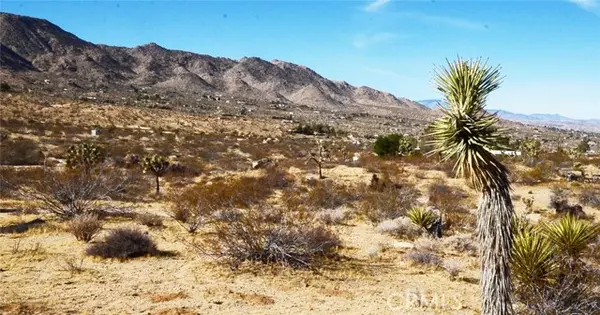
<point>532,258</point>
<point>466,132</point>
<point>421,217</point>
<point>85,155</point>
<point>570,235</point>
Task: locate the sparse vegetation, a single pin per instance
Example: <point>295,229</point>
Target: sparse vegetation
<point>424,258</point>
<point>255,238</point>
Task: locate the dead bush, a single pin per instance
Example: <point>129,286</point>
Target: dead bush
<point>71,193</point>
<point>123,243</point>
<point>321,194</point>
<point>424,258</point>
<point>388,203</point>
<point>84,226</point>
<point>150,220</point>
<point>590,196</point>
<point>459,220</point>
<point>255,238</point>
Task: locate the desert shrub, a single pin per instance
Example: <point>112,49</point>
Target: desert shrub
<point>540,173</point>
<point>462,243</point>
<point>559,196</point>
<point>5,87</point>
<point>453,268</point>
<point>68,194</point>
<point>312,129</point>
<point>327,195</point>
<point>333,216</point>
<point>393,144</point>
<point>12,178</point>
<point>446,198</point>
<point>20,151</point>
<point>424,258</point>
<point>401,227</point>
<point>574,292</point>
<point>190,209</point>
<point>254,238</point>
<point>387,203</point>
<point>123,243</point>
<point>149,219</point>
<point>84,226</point>
<point>428,243</point>
<point>590,196</point>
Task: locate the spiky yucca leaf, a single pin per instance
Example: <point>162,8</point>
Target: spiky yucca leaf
<point>532,258</point>
<point>421,217</point>
<point>467,131</point>
<point>521,224</point>
<point>571,235</point>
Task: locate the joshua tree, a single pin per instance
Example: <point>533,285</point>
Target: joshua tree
<point>84,155</point>
<point>466,132</point>
<point>319,156</point>
<point>157,165</point>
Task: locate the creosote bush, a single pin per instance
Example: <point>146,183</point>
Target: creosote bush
<point>124,243</point>
<point>254,237</point>
<point>85,155</point>
<point>84,226</point>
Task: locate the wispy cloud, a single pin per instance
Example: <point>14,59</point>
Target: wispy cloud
<point>386,73</point>
<point>364,40</point>
<point>586,4</point>
<point>592,6</point>
<point>375,5</point>
<point>447,20</point>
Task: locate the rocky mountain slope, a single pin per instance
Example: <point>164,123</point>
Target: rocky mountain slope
<point>30,45</point>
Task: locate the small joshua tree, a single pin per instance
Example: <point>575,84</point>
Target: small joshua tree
<point>85,155</point>
<point>319,156</point>
<point>157,165</point>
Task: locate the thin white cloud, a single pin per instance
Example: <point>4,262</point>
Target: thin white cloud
<point>362,40</point>
<point>385,72</point>
<point>446,21</point>
<point>586,4</point>
<point>375,5</point>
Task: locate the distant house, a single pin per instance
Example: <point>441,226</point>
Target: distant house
<point>506,152</point>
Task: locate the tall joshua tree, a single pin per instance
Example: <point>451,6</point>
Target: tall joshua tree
<point>466,132</point>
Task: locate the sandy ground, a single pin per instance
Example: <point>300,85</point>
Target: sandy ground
<point>36,273</point>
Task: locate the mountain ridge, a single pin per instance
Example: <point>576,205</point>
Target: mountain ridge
<point>36,45</point>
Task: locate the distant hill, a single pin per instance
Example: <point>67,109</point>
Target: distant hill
<point>31,45</point>
<point>549,120</point>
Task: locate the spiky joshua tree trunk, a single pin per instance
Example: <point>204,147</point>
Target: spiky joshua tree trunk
<point>466,132</point>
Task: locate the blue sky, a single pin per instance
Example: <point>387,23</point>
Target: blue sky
<point>549,50</point>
